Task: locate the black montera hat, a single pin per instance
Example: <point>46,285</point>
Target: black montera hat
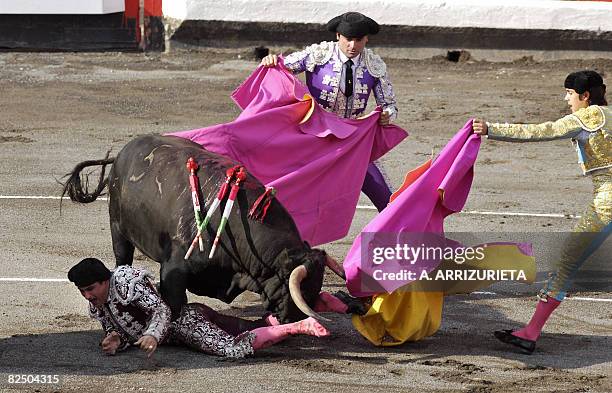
<point>353,25</point>
<point>87,272</point>
<point>582,81</point>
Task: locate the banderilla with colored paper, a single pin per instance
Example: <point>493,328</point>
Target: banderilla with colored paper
<point>240,177</point>
<point>229,175</point>
<point>192,166</point>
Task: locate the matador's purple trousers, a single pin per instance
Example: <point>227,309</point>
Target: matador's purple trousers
<point>376,188</point>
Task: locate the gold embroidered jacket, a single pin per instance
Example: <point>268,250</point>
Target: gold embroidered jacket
<point>589,128</point>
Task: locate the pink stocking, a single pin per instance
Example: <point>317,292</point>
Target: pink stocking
<point>542,313</point>
<point>328,302</point>
<point>270,335</point>
<point>271,320</point>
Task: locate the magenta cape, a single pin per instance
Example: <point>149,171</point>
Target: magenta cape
<point>422,207</point>
<point>316,161</point>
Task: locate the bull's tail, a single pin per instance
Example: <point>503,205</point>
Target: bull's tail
<point>73,187</point>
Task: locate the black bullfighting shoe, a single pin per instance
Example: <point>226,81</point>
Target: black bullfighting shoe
<point>355,304</point>
<point>506,336</point>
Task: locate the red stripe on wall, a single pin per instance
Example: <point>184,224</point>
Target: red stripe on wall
<point>131,9</point>
<point>131,13</point>
<point>153,7</point>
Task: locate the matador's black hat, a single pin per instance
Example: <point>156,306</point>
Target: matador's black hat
<point>87,272</point>
<point>582,81</point>
<point>353,25</point>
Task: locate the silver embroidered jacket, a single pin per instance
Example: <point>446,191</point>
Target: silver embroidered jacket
<point>323,68</point>
<point>133,308</point>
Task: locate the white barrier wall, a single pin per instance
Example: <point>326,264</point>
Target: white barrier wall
<point>501,14</point>
<point>70,7</point>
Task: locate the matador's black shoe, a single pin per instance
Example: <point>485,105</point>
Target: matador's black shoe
<point>355,305</point>
<point>506,336</point>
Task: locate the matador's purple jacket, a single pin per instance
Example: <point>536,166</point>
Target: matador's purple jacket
<point>323,68</point>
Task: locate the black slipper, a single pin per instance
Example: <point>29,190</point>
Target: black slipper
<point>506,336</point>
<point>355,305</point>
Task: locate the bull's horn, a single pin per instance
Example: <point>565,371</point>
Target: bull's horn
<point>295,279</point>
<point>334,266</point>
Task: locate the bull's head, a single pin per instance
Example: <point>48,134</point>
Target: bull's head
<point>301,281</point>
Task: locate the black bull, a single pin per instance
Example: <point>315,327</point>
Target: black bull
<point>151,209</point>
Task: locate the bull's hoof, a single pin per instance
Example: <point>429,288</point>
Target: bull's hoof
<point>355,305</point>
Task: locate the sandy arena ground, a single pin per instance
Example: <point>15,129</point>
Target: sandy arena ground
<point>60,109</point>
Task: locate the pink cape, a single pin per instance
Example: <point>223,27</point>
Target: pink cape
<point>440,191</point>
<point>316,161</point>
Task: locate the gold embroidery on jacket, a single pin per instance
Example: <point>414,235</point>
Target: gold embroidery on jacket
<point>591,127</point>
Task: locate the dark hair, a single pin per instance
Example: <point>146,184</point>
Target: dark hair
<point>588,80</point>
<point>597,96</point>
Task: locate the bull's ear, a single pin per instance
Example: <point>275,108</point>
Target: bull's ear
<point>314,260</point>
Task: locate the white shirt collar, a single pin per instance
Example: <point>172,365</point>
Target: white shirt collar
<point>344,58</point>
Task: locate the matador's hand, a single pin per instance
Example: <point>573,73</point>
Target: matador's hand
<point>385,118</point>
<point>269,61</point>
<point>147,344</point>
<point>110,343</point>
<point>480,127</point>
